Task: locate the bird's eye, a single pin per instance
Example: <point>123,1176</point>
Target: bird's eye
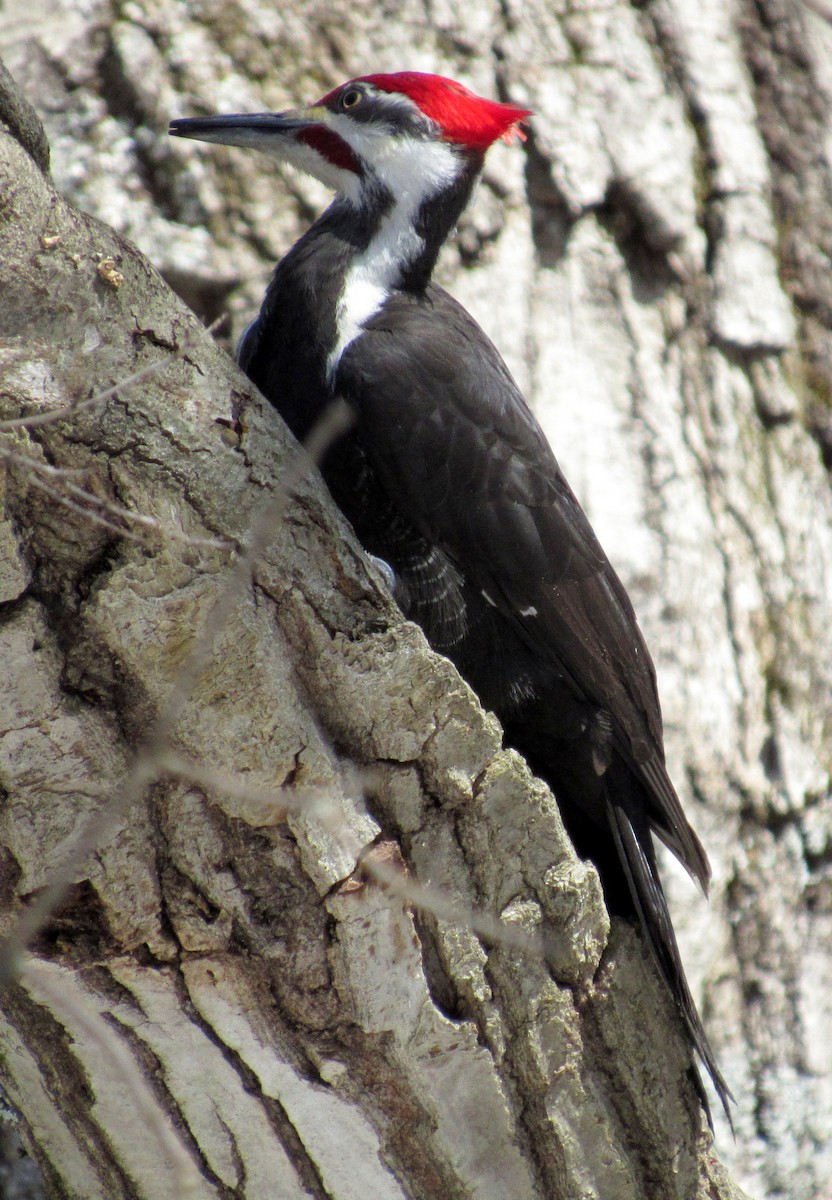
<point>351,98</point>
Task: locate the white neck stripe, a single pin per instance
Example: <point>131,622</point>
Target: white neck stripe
<point>410,170</point>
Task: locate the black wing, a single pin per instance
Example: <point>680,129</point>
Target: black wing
<point>452,439</point>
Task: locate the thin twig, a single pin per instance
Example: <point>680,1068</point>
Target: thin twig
<point>441,904</point>
<point>317,802</point>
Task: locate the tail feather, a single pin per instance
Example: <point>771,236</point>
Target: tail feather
<point>638,859</point>
<point>667,819</point>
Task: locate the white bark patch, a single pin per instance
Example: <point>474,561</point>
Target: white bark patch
<point>341,1142</point>
<point>378,974</point>
<point>144,1138</point>
<point>230,1123</point>
<point>750,306</point>
<point>24,1084</point>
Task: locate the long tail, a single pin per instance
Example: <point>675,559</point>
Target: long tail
<point>638,859</point>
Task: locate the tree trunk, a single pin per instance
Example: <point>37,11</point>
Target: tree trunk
<point>321,935</point>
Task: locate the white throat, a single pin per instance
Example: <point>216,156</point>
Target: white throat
<point>410,170</point>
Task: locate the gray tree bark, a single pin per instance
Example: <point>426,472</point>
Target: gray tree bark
<point>278,970</point>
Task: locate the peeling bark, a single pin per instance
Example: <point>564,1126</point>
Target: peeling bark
<point>251,991</point>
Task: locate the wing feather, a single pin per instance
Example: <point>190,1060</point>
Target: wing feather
<point>470,466</point>
<point>545,628</point>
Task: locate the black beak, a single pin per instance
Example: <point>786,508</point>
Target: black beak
<point>257,130</point>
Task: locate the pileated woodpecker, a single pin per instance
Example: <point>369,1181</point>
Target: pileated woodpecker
<point>447,476</point>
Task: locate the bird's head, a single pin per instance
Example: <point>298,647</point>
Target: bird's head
<point>405,131</point>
